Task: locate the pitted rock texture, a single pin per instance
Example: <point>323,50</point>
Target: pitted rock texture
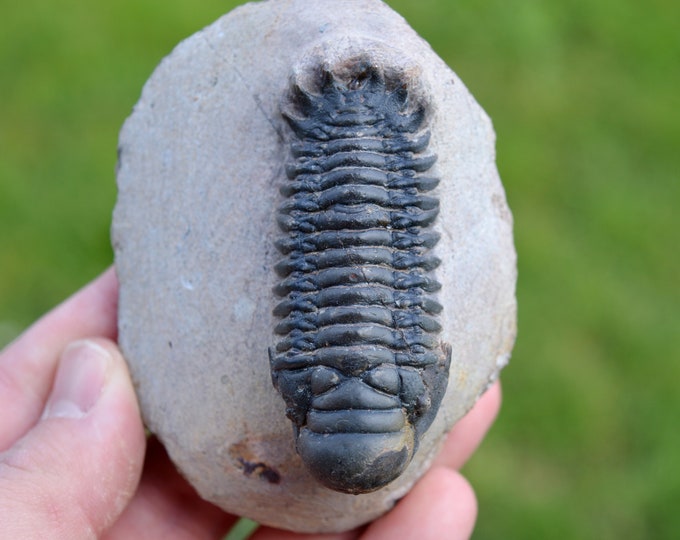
<point>202,159</point>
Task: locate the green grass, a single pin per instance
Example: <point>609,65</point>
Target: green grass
<point>584,98</point>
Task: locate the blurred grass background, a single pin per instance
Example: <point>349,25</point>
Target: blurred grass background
<point>585,98</point>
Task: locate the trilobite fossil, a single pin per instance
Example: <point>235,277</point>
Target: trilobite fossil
<point>359,362</point>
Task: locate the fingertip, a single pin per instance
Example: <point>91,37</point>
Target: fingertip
<point>118,431</point>
<point>82,371</point>
<point>78,467</point>
<point>93,383</point>
<point>28,364</point>
<point>495,396</point>
<point>441,505</point>
<point>469,431</point>
<point>465,501</point>
<point>488,406</point>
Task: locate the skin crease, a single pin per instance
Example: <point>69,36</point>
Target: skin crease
<point>89,472</point>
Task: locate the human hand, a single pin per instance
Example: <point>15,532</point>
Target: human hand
<point>74,462</point>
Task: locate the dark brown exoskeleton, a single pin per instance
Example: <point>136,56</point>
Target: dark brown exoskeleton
<point>359,363</point>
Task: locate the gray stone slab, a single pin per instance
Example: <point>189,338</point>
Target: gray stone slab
<point>201,161</point>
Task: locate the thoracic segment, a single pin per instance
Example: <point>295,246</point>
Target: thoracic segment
<point>359,363</point>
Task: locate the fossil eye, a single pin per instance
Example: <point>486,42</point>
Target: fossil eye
<point>323,379</point>
<point>385,378</point>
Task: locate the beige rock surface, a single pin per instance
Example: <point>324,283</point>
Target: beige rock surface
<point>201,160</point>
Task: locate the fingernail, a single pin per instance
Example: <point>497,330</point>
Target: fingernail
<point>80,378</point>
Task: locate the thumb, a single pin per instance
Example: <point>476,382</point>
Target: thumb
<point>72,474</point>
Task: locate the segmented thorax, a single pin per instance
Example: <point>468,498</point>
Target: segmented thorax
<point>358,362</point>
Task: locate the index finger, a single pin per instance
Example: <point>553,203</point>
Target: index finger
<point>467,434</point>
<point>27,364</point>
